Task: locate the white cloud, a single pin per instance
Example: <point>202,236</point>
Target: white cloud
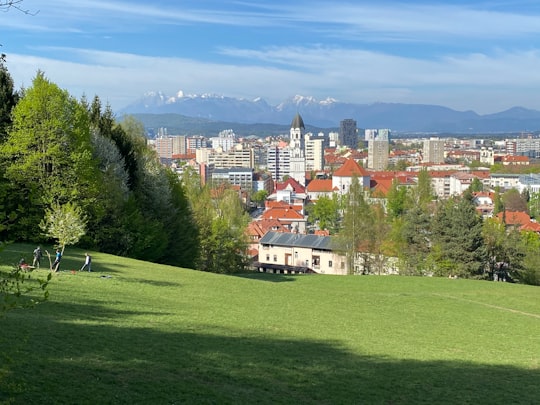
<point>479,82</point>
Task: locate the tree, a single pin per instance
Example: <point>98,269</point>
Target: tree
<point>498,205</point>
<point>534,205</point>
<point>415,237</point>
<point>259,197</point>
<point>65,223</point>
<point>396,200</point>
<point>380,238</point>
<point>47,156</point>
<point>326,211</point>
<point>355,232</point>
<point>476,185</point>
<point>530,272</point>
<point>458,239</point>
<point>514,201</point>
<point>8,100</point>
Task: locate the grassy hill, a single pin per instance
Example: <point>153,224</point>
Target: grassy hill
<point>133,332</point>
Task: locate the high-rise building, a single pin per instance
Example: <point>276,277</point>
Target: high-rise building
<point>314,153</point>
<point>378,148</point>
<point>433,151</point>
<point>348,133</point>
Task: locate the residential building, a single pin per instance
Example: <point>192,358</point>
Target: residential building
<point>290,253</point>
<point>433,151</point>
<point>314,152</point>
<point>278,162</point>
<point>236,176</point>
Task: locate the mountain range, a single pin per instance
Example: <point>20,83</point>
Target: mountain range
<point>210,109</point>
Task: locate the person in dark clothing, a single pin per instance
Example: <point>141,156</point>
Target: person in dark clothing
<point>37,257</point>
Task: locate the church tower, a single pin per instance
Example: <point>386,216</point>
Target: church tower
<point>296,146</point>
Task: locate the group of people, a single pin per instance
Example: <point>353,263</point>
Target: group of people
<point>38,255</point>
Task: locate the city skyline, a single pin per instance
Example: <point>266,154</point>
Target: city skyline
<point>466,55</point>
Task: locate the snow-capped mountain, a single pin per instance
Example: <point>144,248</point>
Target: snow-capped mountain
<point>329,112</point>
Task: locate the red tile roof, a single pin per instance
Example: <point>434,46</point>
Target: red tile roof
<point>319,185</point>
<point>351,168</point>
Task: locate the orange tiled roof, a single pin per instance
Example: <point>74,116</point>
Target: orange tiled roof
<point>351,168</point>
<point>320,185</point>
<point>514,217</point>
<point>296,186</point>
<point>282,214</point>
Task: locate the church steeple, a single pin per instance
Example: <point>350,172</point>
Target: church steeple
<point>297,133</point>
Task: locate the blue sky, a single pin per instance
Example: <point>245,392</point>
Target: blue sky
<point>467,55</point>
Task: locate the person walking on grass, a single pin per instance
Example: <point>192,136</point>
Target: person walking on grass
<point>37,257</point>
<point>87,263</point>
<point>56,264</point>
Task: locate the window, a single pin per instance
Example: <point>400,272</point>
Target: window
<point>267,257</point>
<point>342,265</point>
<point>329,263</point>
<point>275,258</point>
<point>296,255</point>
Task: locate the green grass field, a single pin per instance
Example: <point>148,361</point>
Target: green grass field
<point>152,334</point>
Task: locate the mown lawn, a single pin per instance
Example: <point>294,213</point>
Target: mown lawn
<point>133,332</point>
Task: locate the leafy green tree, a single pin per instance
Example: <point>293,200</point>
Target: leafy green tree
<point>326,211</point>
<point>530,272</point>
<point>514,201</point>
<point>221,222</point>
<point>259,197</point>
<point>498,205</point>
<point>534,205</point>
<point>65,223</point>
<point>46,156</point>
<point>380,239</point>
<point>422,194</point>
<point>396,200</point>
<point>476,185</point>
<point>355,232</point>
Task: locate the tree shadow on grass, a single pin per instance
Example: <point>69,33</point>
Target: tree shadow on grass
<point>272,278</point>
<point>104,364</point>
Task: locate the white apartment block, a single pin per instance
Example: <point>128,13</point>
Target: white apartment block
<point>314,152</point>
<point>237,176</point>
<point>378,151</point>
<point>278,162</point>
<point>529,147</point>
<point>239,156</point>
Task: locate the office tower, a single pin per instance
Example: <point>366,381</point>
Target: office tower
<point>348,133</point>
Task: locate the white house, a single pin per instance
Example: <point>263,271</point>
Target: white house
<point>292,253</point>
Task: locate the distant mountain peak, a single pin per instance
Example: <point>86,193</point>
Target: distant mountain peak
<point>329,112</point>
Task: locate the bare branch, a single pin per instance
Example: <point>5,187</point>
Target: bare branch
<point>5,5</point>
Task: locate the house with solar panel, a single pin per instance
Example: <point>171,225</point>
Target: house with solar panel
<point>296,253</point>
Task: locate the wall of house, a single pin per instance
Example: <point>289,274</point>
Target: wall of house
<point>320,261</point>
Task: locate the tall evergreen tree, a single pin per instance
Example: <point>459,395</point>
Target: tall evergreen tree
<point>458,240</point>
